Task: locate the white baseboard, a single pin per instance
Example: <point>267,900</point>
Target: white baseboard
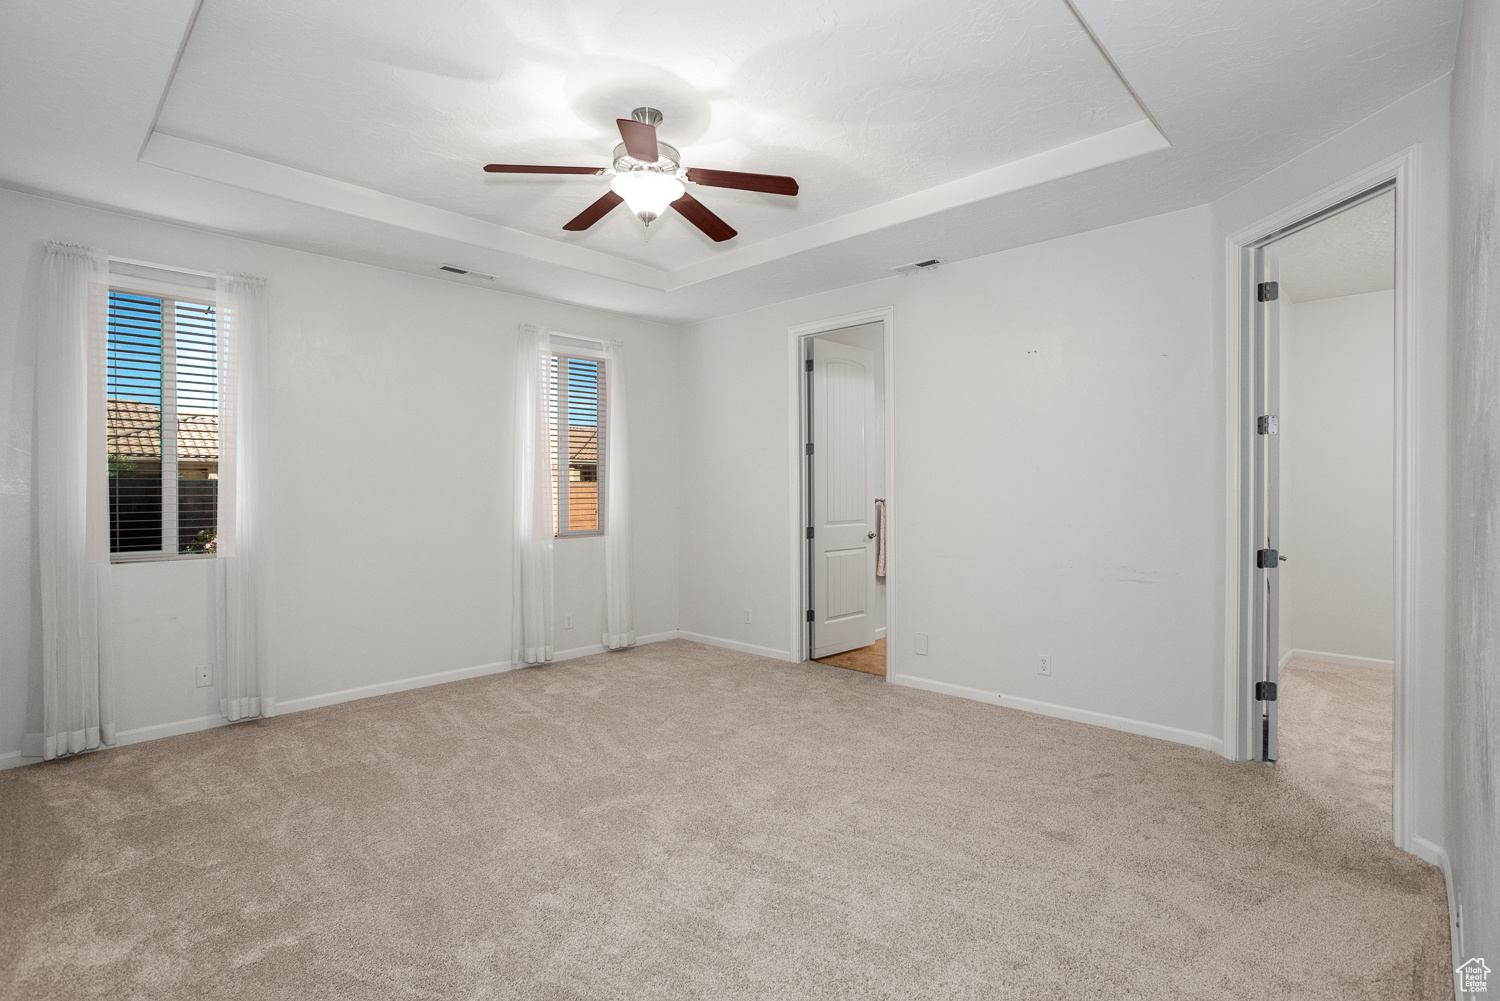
<point>14,759</point>
<point>1335,658</point>
<point>1191,738</point>
<point>1435,854</point>
<point>880,633</point>
<point>719,641</point>
<point>391,687</point>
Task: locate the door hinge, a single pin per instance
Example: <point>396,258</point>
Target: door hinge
<point>1265,559</point>
<point>809,365</point>
<point>1266,424</point>
<point>1265,691</point>
<point>1267,291</point>
<point>809,531</point>
<point>809,448</point>
<point>809,615</point>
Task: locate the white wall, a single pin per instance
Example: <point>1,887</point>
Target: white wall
<point>1337,455</point>
<point>1419,120</point>
<point>1055,481</point>
<point>391,510</point>
<point>1474,628</point>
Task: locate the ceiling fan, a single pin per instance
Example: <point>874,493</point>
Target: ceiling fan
<point>649,176</point>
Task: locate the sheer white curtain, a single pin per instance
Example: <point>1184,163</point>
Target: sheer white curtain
<point>531,569</point>
<point>619,605</point>
<point>243,325</point>
<point>68,314</point>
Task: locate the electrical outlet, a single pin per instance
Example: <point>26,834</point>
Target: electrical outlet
<point>747,616</point>
<point>205,675</point>
<point>921,644</point>
<point>568,621</point>
<point>1046,666</point>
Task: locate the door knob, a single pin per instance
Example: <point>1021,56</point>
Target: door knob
<point>870,535</point>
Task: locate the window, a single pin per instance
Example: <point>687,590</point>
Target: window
<point>162,426</point>
<point>576,392</point>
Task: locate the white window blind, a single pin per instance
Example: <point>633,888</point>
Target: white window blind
<point>162,426</point>
<point>576,409</point>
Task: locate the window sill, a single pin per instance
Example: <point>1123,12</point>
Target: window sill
<point>159,557</point>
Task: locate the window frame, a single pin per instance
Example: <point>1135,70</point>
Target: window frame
<point>130,284</point>
<point>557,359</point>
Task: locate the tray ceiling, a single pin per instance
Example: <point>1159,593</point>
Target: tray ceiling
<point>942,129</point>
<point>863,102</point>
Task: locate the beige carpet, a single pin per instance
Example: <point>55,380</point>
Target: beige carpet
<point>679,821</point>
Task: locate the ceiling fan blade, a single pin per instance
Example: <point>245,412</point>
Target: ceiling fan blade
<point>771,184</point>
<point>593,213</point>
<point>640,139</point>
<point>696,213</point>
<point>522,168</point>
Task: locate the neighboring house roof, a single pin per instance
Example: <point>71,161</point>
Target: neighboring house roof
<point>583,444</point>
<point>134,429</point>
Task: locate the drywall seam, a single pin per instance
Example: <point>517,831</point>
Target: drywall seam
<point>1192,738</point>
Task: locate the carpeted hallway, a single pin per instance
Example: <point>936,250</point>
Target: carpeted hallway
<point>681,821</point>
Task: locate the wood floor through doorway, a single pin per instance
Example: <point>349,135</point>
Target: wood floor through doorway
<point>869,659</point>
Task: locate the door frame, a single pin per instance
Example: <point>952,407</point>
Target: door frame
<point>1398,174</point>
<point>797,434</point>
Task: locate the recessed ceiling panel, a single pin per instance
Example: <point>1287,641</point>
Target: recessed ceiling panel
<point>861,102</point>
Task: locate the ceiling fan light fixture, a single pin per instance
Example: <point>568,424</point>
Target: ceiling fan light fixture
<point>647,192</point>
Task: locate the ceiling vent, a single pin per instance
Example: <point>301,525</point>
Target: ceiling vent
<point>452,270</point>
<point>927,265</point>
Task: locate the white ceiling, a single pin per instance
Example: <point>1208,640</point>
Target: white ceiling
<point>941,128</point>
<point>861,101</point>
<point>1347,254</point>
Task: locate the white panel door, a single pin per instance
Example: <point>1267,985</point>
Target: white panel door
<point>843,553</point>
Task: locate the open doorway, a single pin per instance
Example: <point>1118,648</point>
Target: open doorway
<point>1336,639</point>
<point>844,497</point>
<point>1324,597</point>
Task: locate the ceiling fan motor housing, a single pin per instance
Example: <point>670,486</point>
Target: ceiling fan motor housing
<point>668,162</point>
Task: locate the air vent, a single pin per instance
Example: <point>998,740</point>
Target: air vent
<point>452,270</point>
<point>926,265</point>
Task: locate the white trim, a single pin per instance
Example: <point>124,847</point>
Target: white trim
<point>240,170</point>
<point>1192,738</point>
<point>589,651</point>
<point>880,633</point>
<point>1402,169</point>
<point>1334,658</point>
<point>141,734</point>
<point>14,759</point>
<point>886,316</point>
<point>719,641</point>
<point>391,687</point>
<point>1435,854</point>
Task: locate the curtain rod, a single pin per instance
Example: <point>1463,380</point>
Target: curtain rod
<point>527,327</point>
<point>161,267</point>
